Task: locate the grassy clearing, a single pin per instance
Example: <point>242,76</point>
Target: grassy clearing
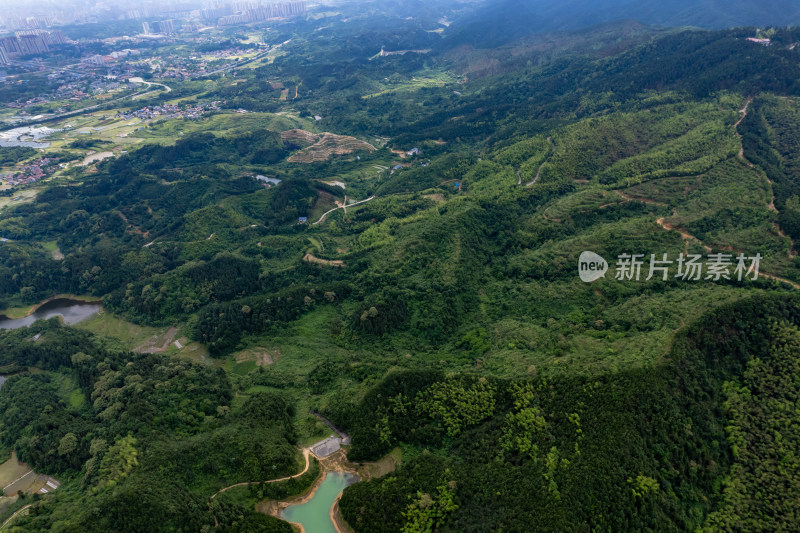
<point>55,251</point>
<point>130,335</point>
<point>76,398</point>
<point>383,466</point>
<point>303,346</point>
<point>168,131</point>
<point>67,388</point>
<point>423,80</point>
<point>316,245</point>
<point>240,369</point>
<point>24,196</point>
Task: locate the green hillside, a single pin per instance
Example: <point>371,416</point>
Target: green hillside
<point>432,304</point>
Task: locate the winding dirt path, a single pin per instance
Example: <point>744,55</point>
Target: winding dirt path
<point>326,213</point>
<point>536,178</point>
<point>306,456</point>
<point>539,171</point>
<point>133,227</point>
<point>743,111</point>
<point>19,512</point>
<point>782,280</point>
<point>688,237</point>
<point>629,198</point>
<point>771,203</point>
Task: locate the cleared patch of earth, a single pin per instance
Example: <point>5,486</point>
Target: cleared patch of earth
<point>158,343</point>
<point>262,356</point>
<point>313,259</point>
<point>88,160</point>
<point>18,476</point>
<point>321,147</point>
<point>436,197</point>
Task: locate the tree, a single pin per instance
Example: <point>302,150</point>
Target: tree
<point>427,512</point>
<point>68,444</point>
<point>118,462</point>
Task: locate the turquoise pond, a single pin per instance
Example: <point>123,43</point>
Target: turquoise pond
<point>315,514</point>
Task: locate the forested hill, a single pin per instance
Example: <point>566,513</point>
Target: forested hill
<point>499,22</point>
<point>439,316</point>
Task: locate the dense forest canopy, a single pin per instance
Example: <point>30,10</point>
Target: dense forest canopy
<point>392,240</point>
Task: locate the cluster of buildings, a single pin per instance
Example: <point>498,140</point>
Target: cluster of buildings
<point>32,172</point>
<point>102,61</point>
<point>159,9</point>
<point>180,67</point>
<point>71,91</point>
<point>246,12</point>
<point>219,12</point>
<point>19,104</point>
<point>46,14</point>
<point>170,111</point>
<point>28,23</point>
<point>222,12</point>
<point>71,86</point>
<point>164,27</point>
<point>27,42</point>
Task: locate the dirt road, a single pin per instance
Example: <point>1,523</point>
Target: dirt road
<point>306,455</point>
<point>326,213</point>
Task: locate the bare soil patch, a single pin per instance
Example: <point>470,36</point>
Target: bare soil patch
<point>321,147</point>
<point>312,259</point>
<point>158,343</point>
<point>262,356</point>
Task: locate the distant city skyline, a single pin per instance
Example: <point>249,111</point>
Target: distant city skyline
<point>27,15</point>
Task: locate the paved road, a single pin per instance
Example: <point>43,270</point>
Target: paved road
<point>149,84</point>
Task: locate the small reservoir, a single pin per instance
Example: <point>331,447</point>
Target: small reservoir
<point>315,514</point>
<point>72,312</point>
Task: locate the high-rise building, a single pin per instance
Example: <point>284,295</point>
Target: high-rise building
<point>96,60</point>
<point>209,15</point>
<point>253,12</point>
<point>11,46</point>
<point>25,42</point>
<point>166,26</point>
<point>233,19</point>
<point>4,60</point>
<point>15,23</point>
<point>56,37</point>
<point>35,22</point>
<point>33,44</point>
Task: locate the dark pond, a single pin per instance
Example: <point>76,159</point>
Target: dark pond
<point>71,311</point>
